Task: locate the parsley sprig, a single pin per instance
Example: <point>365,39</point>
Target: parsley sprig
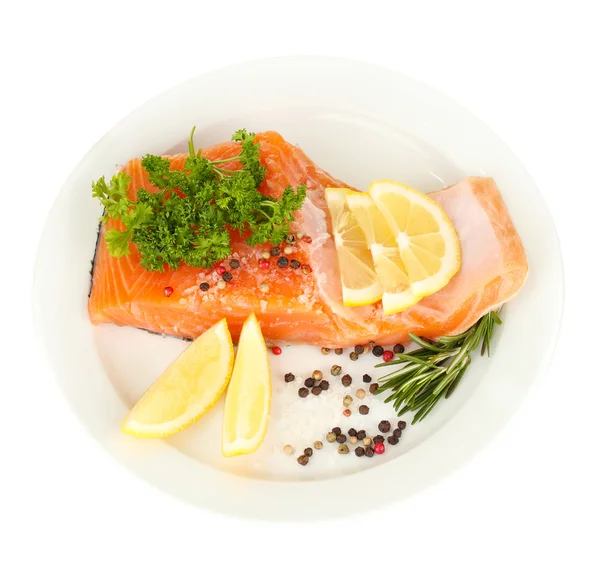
<point>190,217</point>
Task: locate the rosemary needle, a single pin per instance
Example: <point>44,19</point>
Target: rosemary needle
<point>435,370</point>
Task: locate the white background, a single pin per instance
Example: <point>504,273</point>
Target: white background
<point>70,70</point>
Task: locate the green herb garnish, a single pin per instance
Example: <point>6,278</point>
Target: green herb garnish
<point>434,371</point>
<point>190,218</point>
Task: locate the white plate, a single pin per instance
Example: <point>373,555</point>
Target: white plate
<point>358,122</point>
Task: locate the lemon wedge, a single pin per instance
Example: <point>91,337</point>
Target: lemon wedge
<point>390,269</point>
<point>425,236</point>
<point>187,389</point>
<point>360,284</point>
<point>248,400</point>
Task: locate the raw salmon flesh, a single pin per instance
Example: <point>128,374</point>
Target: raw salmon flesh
<point>301,307</point>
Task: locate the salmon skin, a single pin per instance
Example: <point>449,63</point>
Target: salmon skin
<point>301,306</point>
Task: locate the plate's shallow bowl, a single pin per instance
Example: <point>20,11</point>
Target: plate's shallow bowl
<point>358,122</point>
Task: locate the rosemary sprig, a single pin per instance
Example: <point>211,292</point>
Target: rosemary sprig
<point>434,371</point>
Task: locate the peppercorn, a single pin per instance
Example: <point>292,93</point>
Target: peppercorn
<point>359,451</point>
<point>294,264</point>
<point>346,413</point>
<point>360,393</point>
<point>275,251</point>
<point>303,392</point>
<point>379,448</point>
<point>303,460</point>
<point>401,425</point>
<point>353,440</point>
<point>347,401</point>
<point>369,452</point>
<point>363,409</point>
<point>397,433</point>
<point>288,449</point>
<point>378,439</point>
<point>276,350</point>
<point>234,263</point>
<point>308,239</point>
<point>353,355</point>
<point>341,438</point>
<point>309,382</point>
<point>308,451</point>
<point>205,286</point>
<point>393,440</point>
<point>318,445</point>
<point>367,441</point>
<point>388,356</point>
<point>306,269</point>
<point>330,437</point>
<point>221,284</point>
<point>336,430</point>
<point>384,426</point>
<point>366,378</point>
<point>299,235</point>
<point>373,387</point>
<point>220,269</point>
<point>336,370</point>
<point>264,287</point>
<point>282,262</point>
<point>290,238</point>
<point>346,380</point>
<point>352,432</point>
<point>398,349</point>
<point>317,375</point>
<point>325,350</point>
<point>288,250</point>
<point>377,351</point>
<point>265,255</point>
<point>359,349</point>
<point>289,377</point>
<point>343,449</point>
<point>324,385</point>
<point>339,351</point>
<point>316,390</point>
<point>264,264</point>
<point>227,276</point>
<point>370,346</point>
<point>360,435</point>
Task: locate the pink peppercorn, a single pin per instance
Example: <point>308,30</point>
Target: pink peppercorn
<point>387,356</point>
<point>379,448</point>
<point>221,270</point>
<point>276,351</point>
<point>264,264</point>
<point>168,291</point>
<point>307,239</point>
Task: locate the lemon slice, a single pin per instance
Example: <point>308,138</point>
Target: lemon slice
<point>428,243</point>
<point>397,294</point>
<point>360,284</point>
<point>248,399</point>
<point>187,389</point>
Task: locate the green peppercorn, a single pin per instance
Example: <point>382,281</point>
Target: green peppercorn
<point>347,401</point>
<point>325,350</point>
<point>330,437</point>
<point>353,356</point>
<point>339,351</point>
<point>343,449</point>
<point>336,370</point>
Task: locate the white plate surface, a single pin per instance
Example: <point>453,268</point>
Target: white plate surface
<point>358,122</point>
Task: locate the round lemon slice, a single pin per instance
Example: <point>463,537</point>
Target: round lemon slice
<point>360,284</point>
<point>390,269</point>
<point>248,400</point>
<point>187,389</point>
<point>428,243</point>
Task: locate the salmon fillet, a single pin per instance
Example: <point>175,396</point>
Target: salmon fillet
<point>306,307</point>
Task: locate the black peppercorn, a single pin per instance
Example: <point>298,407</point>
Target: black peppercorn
<point>282,262</point>
<point>397,433</point>
<point>341,438</point>
<point>359,349</point>
<point>366,378</point>
<point>303,460</point>
<point>363,409</point>
<point>401,425</point>
<point>346,380</point>
<point>384,426</point>
<point>359,451</point>
<point>377,350</point>
<point>378,439</point>
<point>398,349</point>
<point>360,435</point>
<point>317,390</point>
<point>289,377</point>
<point>373,387</point>
<point>308,451</point>
<point>369,452</point>
<point>393,439</point>
<point>336,430</point>
<point>339,351</point>
<point>353,355</point>
<point>294,264</point>
<point>352,432</point>
<point>227,276</point>
<point>275,251</point>
<point>324,385</point>
<point>234,263</point>
<point>303,392</point>
<point>205,286</point>
<point>309,382</point>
